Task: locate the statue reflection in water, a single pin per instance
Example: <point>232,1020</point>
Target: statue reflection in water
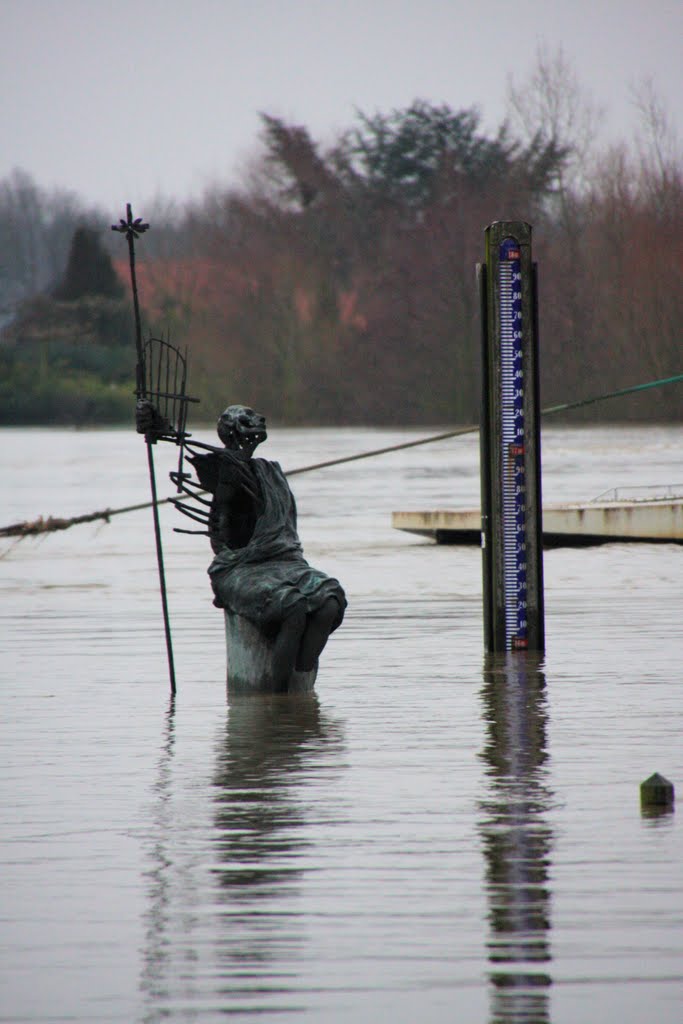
<point>516,838</point>
<point>264,839</point>
<point>237,942</point>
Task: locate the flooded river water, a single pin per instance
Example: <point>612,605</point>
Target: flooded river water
<point>434,836</point>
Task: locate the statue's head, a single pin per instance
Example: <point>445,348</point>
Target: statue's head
<point>241,429</point>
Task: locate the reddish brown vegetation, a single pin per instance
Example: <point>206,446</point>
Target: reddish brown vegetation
<point>325,295</point>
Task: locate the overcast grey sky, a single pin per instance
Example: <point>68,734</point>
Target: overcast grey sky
<point>123,100</point>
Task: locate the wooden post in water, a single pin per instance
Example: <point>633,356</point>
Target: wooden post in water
<point>511,523</point>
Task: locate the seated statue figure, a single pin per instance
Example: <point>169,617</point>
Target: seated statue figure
<point>272,597</point>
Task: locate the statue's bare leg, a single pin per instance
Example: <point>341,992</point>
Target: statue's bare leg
<point>287,644</point>
<point>318,627</point>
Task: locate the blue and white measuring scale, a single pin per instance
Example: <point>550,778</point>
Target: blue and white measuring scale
<point>514,494</point>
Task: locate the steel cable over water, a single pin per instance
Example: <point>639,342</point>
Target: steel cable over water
<point>52,524</point>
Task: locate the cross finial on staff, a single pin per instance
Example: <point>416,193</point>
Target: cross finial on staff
<point>131,228</point>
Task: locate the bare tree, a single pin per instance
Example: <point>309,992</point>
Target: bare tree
<point>552,106</point>
<point>660,151</point>
<point>551,103</point>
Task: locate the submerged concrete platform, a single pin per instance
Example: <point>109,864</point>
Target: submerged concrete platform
<point>594,522</point>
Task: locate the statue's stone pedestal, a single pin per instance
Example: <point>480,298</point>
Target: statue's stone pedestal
<point>250,661</point>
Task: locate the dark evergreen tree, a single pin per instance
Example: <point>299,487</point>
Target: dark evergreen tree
<point>89,269</point>
<point>400,155</point>
<point>422,155</point>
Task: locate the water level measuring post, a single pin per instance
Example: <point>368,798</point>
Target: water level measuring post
<point>512,550</point>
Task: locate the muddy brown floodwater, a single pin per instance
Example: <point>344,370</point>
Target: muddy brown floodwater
<point>434,836</point>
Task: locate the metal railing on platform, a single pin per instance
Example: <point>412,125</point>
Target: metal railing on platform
<point>644,492</point>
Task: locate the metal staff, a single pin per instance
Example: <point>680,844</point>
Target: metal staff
<point>132,229</point>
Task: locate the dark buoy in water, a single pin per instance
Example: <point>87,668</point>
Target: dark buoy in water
<point>656,795</point>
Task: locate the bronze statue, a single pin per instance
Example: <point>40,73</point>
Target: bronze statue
<point>279,610</point>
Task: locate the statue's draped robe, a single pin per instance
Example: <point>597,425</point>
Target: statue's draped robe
<point>269,578</point>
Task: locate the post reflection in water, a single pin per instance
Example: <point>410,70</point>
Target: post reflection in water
<point>516,838</point>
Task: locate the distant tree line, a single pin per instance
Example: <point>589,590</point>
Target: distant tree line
<point>337,284</point>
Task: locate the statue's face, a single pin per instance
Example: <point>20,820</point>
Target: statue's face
<point>241,429</point>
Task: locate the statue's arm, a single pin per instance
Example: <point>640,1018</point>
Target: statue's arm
<point>218,468</point>
<point>222,473</point>
<point>206,467</point>
<point>235,503</point>
<point>234,477</point>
